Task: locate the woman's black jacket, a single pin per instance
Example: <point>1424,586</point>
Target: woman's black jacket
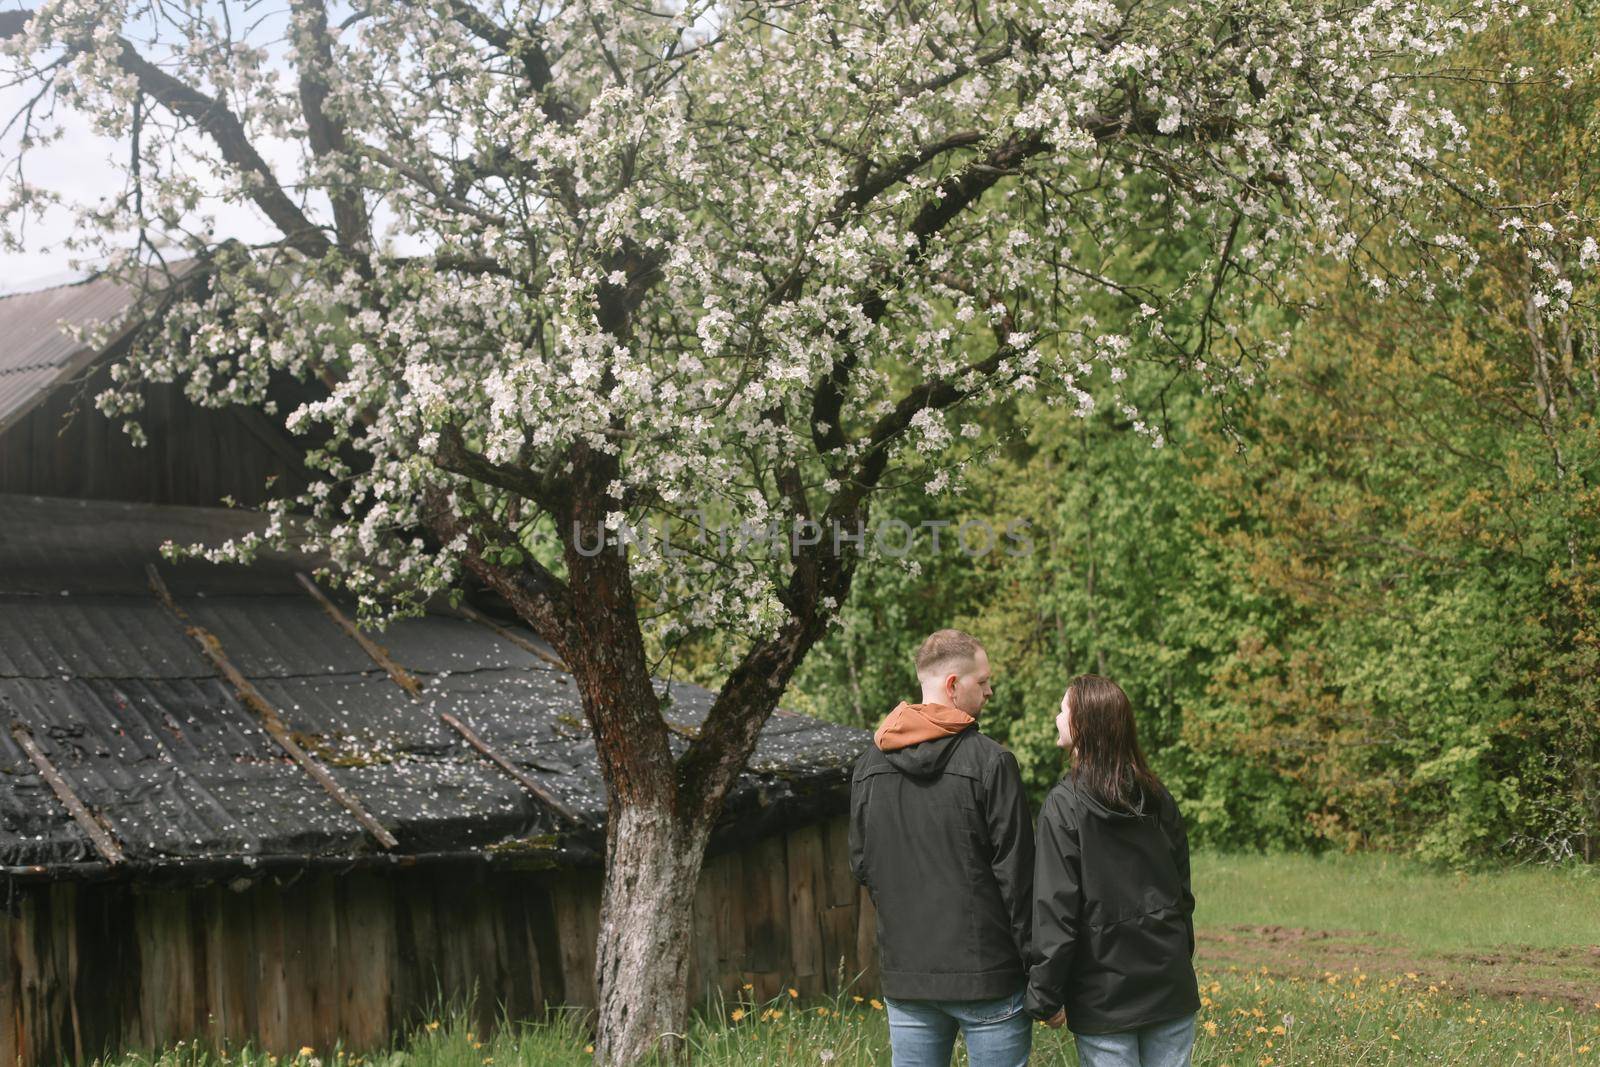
<point>1113,915</point>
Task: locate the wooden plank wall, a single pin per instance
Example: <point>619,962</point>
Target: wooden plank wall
<point>93,969</point>
<point>195,456</point>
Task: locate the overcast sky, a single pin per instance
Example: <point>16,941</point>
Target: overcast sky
<point>85,167</point>
<point>81,165</point>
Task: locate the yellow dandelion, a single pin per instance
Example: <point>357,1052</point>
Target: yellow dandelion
<point>793,993</point>
<point>857,999</point>
<point>747,985</point>
<point>434,1025</point>
<point>738,1013</point>
<point>877,1005</point>
<point>589,1049</point>
<point>306,1050</point>
<point>1211,1027</point>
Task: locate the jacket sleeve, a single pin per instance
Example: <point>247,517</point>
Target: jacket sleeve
<point>858,828</point>
<point>1178,834</point>
<point>1057,900</point>
<point>1011,837</point>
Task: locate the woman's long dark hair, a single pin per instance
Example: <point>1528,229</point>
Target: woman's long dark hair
<point>1107,761</point>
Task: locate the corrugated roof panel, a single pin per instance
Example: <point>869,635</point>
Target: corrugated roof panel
<point>31,322</point>
<point>436,644</point>
<point>136,719</point>
<point>35,349</point>
<point>357,719</point>
<point>51,546</point>
<point>21,386</point>
<point>183,721</point>
<point>36,826</point>
<point>533,719</point>
<point>812,747</point>
<point>141,761</point>
<point>447,804</point>
<point>530,707</point>
<point>278,637</point>
<point>38,829</point>
<point>94,637</point>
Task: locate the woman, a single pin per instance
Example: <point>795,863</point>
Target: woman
<point>1113,917</point>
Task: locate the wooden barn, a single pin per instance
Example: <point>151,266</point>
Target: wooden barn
<point>226,813</point>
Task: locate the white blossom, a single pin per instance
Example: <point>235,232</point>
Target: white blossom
<point>667,263</point>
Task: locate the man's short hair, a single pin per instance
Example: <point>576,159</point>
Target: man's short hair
<point>954,647</point>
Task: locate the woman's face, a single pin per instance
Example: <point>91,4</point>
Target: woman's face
<point>1064,722</point>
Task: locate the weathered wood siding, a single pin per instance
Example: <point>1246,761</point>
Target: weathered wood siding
<point>195,455</point>
<point>93,968</point>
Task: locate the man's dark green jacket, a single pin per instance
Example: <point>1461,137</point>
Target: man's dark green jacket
<point>1113,917</point>
<point>941,836</point>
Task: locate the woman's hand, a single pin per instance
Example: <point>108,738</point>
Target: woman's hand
<point>1058,1020</point>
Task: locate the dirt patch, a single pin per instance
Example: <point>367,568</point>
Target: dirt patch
<point>1569,976</point>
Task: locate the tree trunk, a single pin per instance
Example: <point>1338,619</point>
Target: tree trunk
<point>646,925</point>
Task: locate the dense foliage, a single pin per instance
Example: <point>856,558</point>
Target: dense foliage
<point>1358,609</point>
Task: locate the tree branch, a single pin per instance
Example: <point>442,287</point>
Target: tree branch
<point>529,50</point>
<point>327,136</point>
<point>541,598</point>
<point>454,456</point>
<point>220,124</point>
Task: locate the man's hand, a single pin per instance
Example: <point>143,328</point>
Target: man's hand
<point>1058,1020</point>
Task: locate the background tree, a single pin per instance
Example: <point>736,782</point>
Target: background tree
<point>752,261</point>
<point>1374,627</point>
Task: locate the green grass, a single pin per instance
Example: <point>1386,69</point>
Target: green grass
<point>1249,1020</point>
<point>1540,907</point>
<point>1402,984</point>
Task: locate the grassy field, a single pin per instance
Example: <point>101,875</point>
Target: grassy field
<point>1303,961</point>
<point>1539,907</point>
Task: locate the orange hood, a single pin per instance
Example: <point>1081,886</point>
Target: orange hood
<point>910,724</point>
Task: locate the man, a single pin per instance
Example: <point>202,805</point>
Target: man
<point>941,836</point>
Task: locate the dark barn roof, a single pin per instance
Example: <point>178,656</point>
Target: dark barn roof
<point>106,689</point>
<point>38,354</point>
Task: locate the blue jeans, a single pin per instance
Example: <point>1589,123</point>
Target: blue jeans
<point>1165,1044</point>
<point>923,1032</point>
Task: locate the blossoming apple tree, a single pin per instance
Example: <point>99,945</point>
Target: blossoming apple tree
<point>571,266</point>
